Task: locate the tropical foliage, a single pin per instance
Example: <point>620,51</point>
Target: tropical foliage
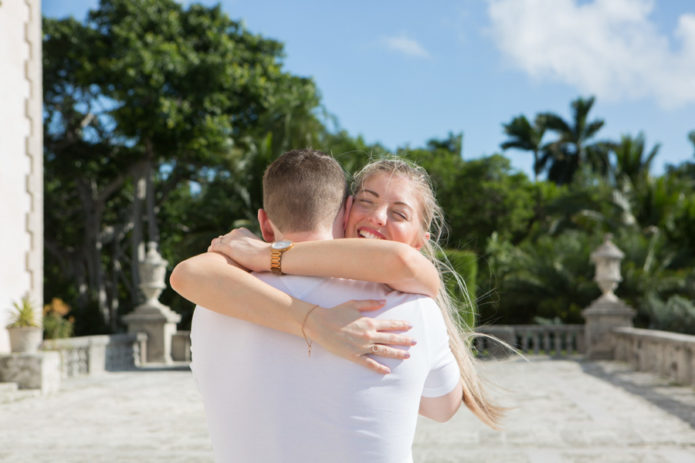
<point>159,121</point>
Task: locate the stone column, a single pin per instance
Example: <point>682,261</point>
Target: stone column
<point>152,317</point>
<point>608,311</point>
<point>21,159</point>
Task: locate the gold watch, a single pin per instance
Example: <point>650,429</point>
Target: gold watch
<point>277,249</point>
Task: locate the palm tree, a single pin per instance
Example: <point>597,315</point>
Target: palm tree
<point>632,163</point>
<point>524,136</point>
<point>573,148</point>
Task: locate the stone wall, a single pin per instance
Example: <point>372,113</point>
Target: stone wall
<point>92,355</point>
<point>671,355</point>
<point>21,157</point>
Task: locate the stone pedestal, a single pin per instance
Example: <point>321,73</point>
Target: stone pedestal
<point>40,370</point>
<point>181,346</point>
<point>159,323</point>
<point>602,316</point>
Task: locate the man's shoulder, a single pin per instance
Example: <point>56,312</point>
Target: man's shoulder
<point>418,302</point>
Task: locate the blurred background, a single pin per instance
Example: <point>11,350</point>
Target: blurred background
<point>545,124</point>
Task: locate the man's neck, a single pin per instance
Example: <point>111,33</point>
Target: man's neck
<point>305,236</point>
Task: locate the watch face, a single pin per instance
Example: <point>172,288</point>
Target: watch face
<point>284,244</point>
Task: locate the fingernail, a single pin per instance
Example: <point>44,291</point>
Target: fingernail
<point>413,342</point>
<point>407,356</point>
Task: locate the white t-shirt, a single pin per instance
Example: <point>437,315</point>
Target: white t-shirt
<point>267,401</point>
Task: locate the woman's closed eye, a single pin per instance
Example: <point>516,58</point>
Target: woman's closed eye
<point>400,215</point>
<point>365,201</point>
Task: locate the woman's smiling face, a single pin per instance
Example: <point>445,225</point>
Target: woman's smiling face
<point>386,207</point>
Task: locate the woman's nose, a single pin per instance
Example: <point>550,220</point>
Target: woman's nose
<point>379,216</point>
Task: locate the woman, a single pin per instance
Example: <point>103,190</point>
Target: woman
<point>393,201</point>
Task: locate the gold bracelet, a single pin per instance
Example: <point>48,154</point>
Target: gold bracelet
<point>306,338</point>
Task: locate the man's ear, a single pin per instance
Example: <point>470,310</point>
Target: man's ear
<point>266,227</point>
<point>348,207</point>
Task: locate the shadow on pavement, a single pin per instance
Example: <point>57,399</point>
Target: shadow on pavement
<point>651,389</point>
<point>176,366</point>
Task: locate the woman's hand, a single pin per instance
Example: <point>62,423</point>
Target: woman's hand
<point>244,248</point>
<point>345,332</point>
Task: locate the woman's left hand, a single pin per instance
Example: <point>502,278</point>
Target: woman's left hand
<point>244,248</point>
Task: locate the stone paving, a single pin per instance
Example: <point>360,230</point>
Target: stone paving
<point>570,411</point>
<point>561,411</point>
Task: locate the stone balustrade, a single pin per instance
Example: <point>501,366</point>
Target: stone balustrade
<point>181,346</point>
<point>668,354</point>
<point>90,355</point>
<point>555,340</point>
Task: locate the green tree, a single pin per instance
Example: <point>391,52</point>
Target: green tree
<point>632,162</point>
<point>522,135</point>
<point>548,278</point>
<point>573,149</point>
<point>143,100</point>
<point>487,196</point>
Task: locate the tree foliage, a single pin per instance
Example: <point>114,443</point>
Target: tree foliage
<point>159,121</point>
<point>151,111</point>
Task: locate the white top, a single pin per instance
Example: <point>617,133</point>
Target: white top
<point>267,401</point>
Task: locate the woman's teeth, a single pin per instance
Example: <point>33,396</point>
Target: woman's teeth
<point>368,235</point>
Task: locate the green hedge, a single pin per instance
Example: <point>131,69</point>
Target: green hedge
<point>465,263</point>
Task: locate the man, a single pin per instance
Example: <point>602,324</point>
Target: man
<point>265,398</point>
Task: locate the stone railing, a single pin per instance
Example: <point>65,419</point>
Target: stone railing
<point>671,355</point>
<point>181,346</point>
<point>90,355</point>
<point>555,340</point>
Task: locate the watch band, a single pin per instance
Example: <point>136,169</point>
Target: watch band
<point>277,249</point>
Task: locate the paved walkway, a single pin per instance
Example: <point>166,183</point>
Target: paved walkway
<point>564,411</point>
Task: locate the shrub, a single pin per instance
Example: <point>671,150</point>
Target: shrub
<point>465,263</point>
<point>676,314</point>
<point>23,315</point>
<point>55,325</point>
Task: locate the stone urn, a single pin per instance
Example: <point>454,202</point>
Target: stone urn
<point>25,333</point>
<point>152,317</point>
<point>607,312</point>
<point>25,339</point>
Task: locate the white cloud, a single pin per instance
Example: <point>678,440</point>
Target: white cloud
<point>407,46</point>
<point>609,48</point>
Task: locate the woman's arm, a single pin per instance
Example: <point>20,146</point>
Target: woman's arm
<point>396,264</point>
<point>442,408</point>
<point>217,283</point>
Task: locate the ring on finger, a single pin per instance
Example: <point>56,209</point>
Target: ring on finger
<point>374,348</point>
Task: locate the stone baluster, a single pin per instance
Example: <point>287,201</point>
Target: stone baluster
<point>558,335</point>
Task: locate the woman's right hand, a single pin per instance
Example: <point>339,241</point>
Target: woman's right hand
<point>345,332</point>
<point>244,248</point>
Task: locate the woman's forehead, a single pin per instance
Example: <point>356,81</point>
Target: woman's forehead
<point>391,186</point>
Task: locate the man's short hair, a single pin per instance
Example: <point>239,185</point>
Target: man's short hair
<point>303,190</point>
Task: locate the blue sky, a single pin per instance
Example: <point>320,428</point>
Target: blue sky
<point>403,71</point>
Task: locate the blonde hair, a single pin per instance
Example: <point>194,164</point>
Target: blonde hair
<point>460,335</point>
